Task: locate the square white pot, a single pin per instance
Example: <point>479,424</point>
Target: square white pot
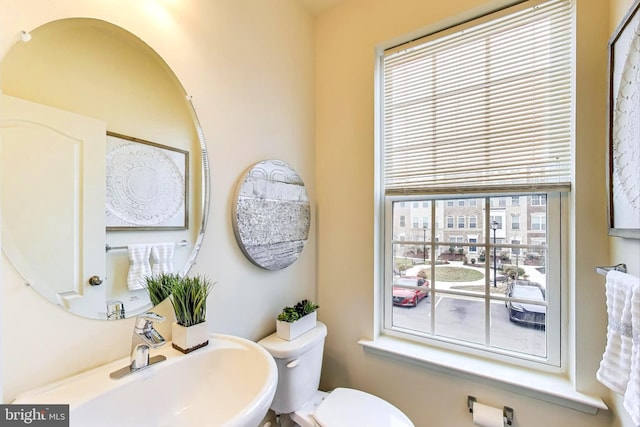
<point>290,331</point>
<point>187,339</point>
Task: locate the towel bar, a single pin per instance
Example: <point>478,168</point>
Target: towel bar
<point>603,270</point>
<point>108,247</point>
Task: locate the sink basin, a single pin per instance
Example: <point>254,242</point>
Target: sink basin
<point>231,382</point>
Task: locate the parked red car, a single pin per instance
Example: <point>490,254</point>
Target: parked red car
<point>407,297</point>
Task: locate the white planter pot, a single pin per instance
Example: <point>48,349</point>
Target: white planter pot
<point>290,331</point>
<point>187,339</point>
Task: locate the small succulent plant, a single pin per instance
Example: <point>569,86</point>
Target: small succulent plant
<point>292,313</point>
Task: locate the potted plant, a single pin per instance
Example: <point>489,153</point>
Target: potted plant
<point>189,301</point>
<point>295,320</point>
<point>159,287</point>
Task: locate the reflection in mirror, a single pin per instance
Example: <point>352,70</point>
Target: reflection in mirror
<point>73,82</point>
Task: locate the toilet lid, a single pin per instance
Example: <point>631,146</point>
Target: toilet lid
<point>345,407</point>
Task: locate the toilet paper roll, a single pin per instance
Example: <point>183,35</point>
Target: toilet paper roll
<point>487,416</point>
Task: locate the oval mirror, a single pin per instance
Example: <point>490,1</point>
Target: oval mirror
<point>104,171</point>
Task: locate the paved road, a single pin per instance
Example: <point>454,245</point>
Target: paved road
<point>463,318</point>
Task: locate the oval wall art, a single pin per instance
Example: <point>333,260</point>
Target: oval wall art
<point>271,215</point>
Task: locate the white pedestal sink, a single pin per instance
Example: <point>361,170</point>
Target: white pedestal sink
<point>231,383</point>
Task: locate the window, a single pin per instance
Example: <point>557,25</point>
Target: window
<point>484,111</point>
<point>515,222</point>
<point>415,221</point>
<point>425,222</point>
<point>402,221</point>
<point>538,200</point>
<point>473,240</point>
<point>497,220</point>
<point>461,287</point>
<point>538,222</point>
<point>461,202</point>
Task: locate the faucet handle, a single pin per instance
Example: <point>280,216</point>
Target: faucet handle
<point>145,321</point>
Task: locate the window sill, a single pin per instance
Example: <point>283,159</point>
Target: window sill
<point>548,387</point>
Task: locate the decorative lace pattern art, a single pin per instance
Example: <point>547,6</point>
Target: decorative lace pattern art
<point>625,127</point>
<point>145,185</point>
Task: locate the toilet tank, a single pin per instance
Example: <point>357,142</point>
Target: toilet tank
<point>299,364</point>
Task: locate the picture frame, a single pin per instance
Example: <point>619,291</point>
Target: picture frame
<point>623,153</point>
<point>147,185</point>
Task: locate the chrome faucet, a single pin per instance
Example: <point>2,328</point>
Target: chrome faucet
<point>144,337</point>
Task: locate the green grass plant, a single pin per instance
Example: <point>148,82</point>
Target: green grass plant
<point>159,287</point>
<point>189,299</point>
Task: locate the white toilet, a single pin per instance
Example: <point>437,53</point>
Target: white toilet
<point>299,364</point>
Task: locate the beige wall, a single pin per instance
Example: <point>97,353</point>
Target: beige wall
<point>249,65</point>
<point>346,41</point>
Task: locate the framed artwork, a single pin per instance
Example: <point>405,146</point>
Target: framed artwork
<point>147,185</point>
<point>623,163</point>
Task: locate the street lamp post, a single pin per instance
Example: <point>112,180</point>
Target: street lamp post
<point>494,227</point>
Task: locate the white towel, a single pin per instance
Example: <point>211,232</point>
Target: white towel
<point>632,395</point>
<point>619,359</point>
<point>161,258</point>
<point>139,267</point>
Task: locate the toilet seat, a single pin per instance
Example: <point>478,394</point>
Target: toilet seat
<point>345,407</point>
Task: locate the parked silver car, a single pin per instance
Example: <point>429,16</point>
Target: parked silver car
<point>523,312</point>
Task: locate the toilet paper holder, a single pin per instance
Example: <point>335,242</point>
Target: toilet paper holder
<point>507,412</point>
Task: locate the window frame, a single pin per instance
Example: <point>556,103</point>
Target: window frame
<point>515,224</point>
<point>554,387</point>
<point>552,362</point>
<point>540,222</point>
<point>450,225</point>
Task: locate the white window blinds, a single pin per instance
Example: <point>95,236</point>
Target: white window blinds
<point>483,107</point>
